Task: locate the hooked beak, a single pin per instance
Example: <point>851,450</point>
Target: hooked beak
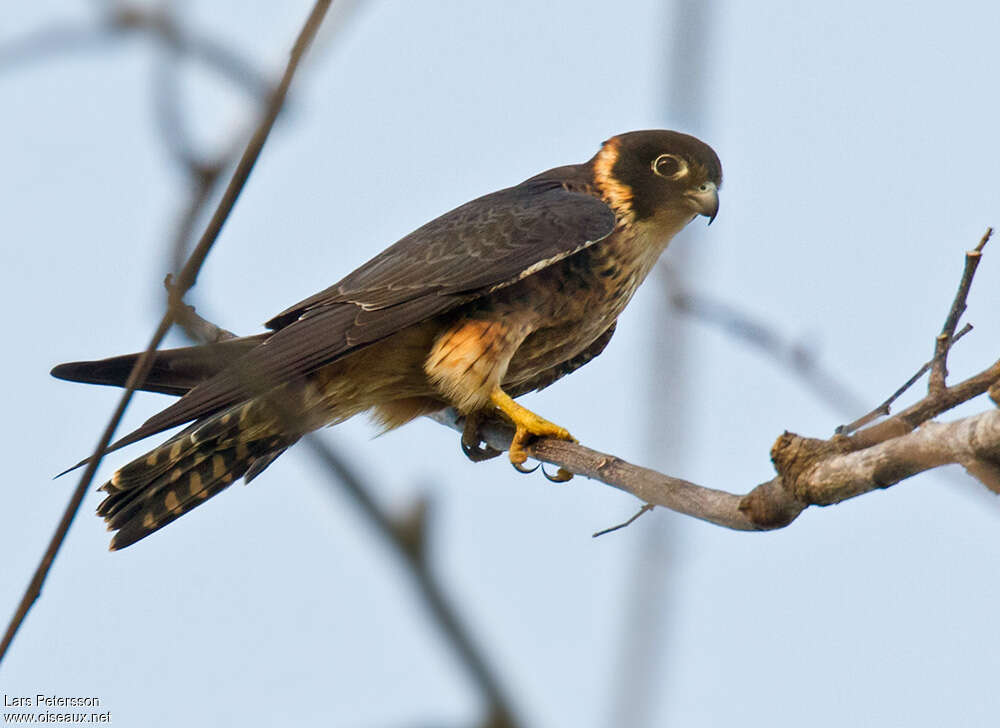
<point>705,200</point>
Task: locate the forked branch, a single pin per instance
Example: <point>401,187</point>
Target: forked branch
<point>816,471</point>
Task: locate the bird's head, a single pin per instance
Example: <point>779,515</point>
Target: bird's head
<point>649,174</point>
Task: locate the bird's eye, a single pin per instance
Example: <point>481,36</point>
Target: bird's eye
<point>669,166</point>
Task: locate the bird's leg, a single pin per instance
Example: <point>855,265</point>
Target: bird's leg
<point>528,425</point>
<point>472,444</point>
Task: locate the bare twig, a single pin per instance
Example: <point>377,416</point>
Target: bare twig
<point>34,588</point>
<point>189,273</point>
<point>758,335</point>
<point>762,337</point>
<point>198,329</point>
<point>201,193</point>
<point>939,364</point>
<point>648,485</point>
<point>797,358</point>
<point>58,38</point>
<point>929,407</point>
<point>645,509</point>
<point>162,25</point>
<point>177,43</point>
<point>185,280</point>
<point>169,117</point>
<point>883,410</point>
<point>407,537</point>
<point>811,472</point>
<point>120,20</point>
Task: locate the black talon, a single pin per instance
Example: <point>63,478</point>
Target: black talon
<point>521,469</point>
<point>562,475</point>
<point>478,454</point>
<point>471,442</point>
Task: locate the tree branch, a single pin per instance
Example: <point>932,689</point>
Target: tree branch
<point>795,355</point>
<point>884,408</point>
<point>939,365</point>
<point>185,280</point>
<point>810,471</point>
<point>121,19</point>
<point>407,537</point>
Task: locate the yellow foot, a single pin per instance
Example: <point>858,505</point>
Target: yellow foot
<point>528,426</point>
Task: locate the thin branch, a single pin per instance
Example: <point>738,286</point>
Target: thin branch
<point>797,358</point>
<point>762,337</point>
<point>185,280</point>
<point>407,537</point>
<point>758,335</point>
<point>648,485</point>
<point>169,117</point>
<point>645,509</point>
<point>189,273</point>
<point>58,38</point>
<point>34,588</point>
<point>161,24</point>
<point>198,329</point>
<point>883,410</point>
<point>929,407</point>
<point>63,37</point>
<point>811,472</point>
<point>201,193</point>
<point>939,365</point>
<point>176,43</point>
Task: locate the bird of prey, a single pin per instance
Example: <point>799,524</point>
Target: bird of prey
<point>497,298</point>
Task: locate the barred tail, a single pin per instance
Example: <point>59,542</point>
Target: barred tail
<point>188,469</point>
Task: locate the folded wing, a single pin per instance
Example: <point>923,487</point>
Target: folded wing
<point>483,245</point>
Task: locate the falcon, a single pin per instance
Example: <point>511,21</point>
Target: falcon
<point>499,297</point>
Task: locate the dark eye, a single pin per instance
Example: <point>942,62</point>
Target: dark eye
<point>669,166</point>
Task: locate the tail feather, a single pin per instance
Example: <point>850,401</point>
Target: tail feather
<point>123,505</point>
<point>129,478</point>
<point>159,487</point>
<point>173,371</point>
<point>166,499</point>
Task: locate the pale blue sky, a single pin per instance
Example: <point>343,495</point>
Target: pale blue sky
<point>859,144</point>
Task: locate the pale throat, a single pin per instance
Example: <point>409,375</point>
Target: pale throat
<point>641,244</point>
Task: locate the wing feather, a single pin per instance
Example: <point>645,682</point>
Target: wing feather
<point>504,233</point>
<point>485,244</point>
